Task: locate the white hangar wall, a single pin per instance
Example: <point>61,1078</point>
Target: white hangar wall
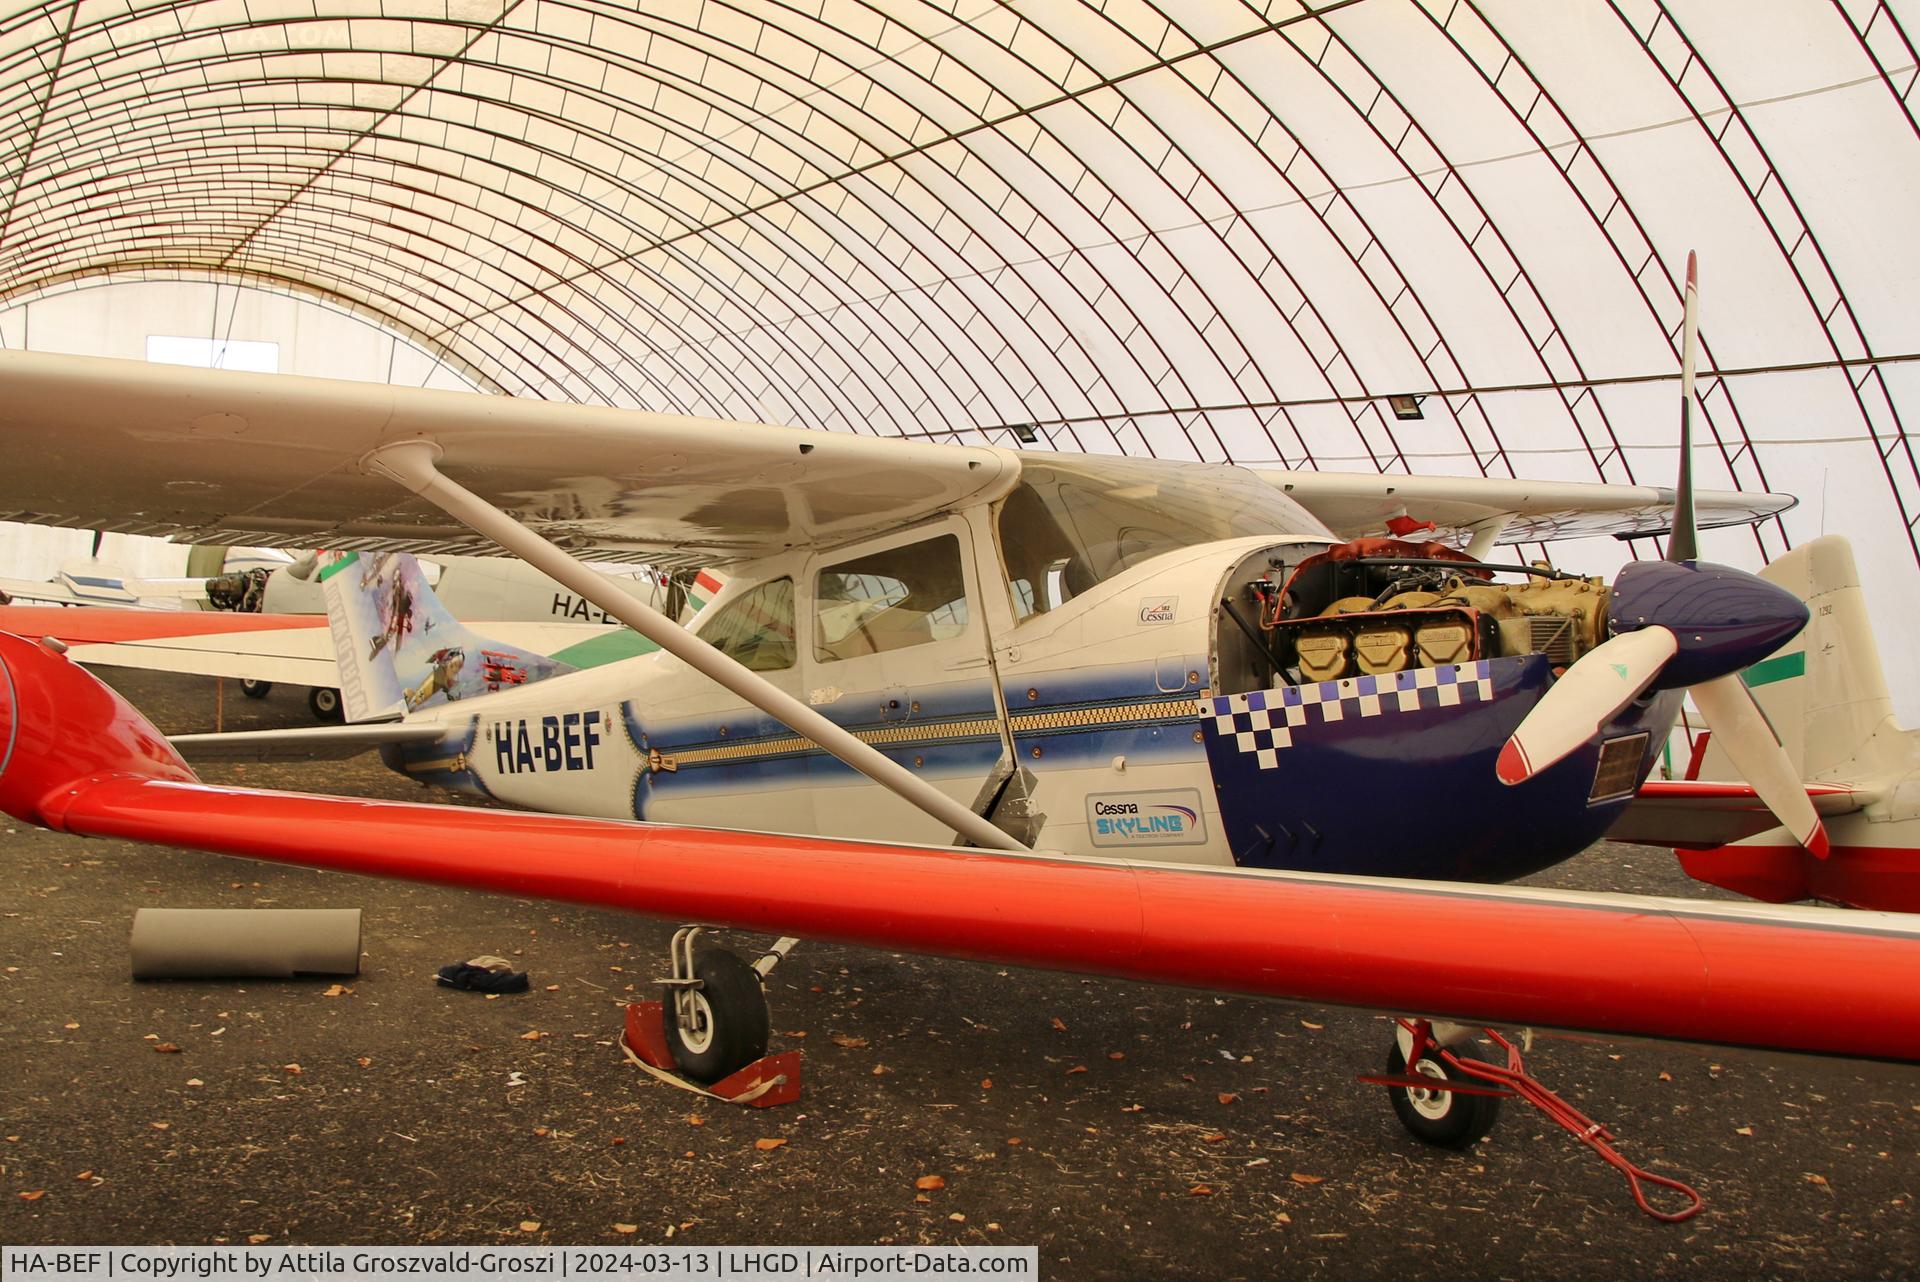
<point>120,319</point>
<point>1212,228</point>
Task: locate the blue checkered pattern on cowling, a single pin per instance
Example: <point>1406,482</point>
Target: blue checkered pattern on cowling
<point>1263,721</point>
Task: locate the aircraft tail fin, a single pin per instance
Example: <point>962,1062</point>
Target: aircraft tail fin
<point>1825,690</point>
<point>399,650</point>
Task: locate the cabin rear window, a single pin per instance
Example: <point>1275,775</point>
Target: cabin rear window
<point>904,596</point>
<point>756,628</point>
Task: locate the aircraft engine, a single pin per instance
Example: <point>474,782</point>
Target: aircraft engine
<point>1359,612</point>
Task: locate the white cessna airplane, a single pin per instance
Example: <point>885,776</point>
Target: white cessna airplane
<point>1072,665</point>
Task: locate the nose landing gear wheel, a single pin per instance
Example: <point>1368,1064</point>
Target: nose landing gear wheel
<point>1437,1116</point>
<point>724,1023</point>
<point>324,703</point>
<point>255,689</point>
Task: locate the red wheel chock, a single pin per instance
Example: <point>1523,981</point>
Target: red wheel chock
<point>770,1081</point>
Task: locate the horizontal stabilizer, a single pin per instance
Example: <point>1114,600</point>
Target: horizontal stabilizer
<point>1700,815</point>
<point>285,649</point>
<point>307,743</point>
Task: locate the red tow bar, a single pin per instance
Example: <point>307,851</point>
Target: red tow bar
<point>1514,1080</point>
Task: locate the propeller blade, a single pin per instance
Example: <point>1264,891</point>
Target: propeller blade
<point>1586,697</point>
<point>1683,544</point>
<point>1744,733</point>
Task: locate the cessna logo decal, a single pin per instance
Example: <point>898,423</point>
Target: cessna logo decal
<point>1165,818</point>
<point>1159,609</point>
<point>549,744</point>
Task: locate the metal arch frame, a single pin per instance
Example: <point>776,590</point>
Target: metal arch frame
<point>1902,441</point>
<point>756,216</point>
<point>1638,275</point>
<point>302,290</point>
<point>879,384</point>
<point>282,215</point>
<point>336,154</point>
<point>1470,241</point>
<point>1778,227</point>
<point>336,157</point>
<point>536,316</point>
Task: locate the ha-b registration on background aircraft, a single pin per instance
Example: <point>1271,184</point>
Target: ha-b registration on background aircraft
<point>1137,718</point>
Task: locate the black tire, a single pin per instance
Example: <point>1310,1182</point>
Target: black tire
<point>734,1022</point>
<point>1445,1119</point>
<point>324,703</point>
<point>255,689</point>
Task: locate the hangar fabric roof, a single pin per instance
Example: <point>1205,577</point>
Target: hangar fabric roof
<point>1217,230</point>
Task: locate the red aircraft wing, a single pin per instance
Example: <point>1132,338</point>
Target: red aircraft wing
<point>75,757</point>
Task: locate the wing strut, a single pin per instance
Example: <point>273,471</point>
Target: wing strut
<point>413,464</point>
<point>1485,534</point>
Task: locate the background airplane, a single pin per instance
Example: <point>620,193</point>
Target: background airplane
<point>96,581</point>
<point>288,645</point>
<point>1825,693</point>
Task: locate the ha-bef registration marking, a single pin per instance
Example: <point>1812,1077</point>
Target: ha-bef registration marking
<point>549,744</point>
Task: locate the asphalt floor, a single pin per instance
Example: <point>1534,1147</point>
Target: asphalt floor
<point>1128,1131</point>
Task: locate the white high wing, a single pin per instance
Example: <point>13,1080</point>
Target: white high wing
<point>942,635</point>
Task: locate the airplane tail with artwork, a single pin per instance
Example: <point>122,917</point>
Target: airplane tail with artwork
<point>400,650</point>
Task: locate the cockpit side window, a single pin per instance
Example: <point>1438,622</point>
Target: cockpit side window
<point>1036,550</point>
<point>1072,524</point>
<point>889,600</point>
<point>756,627</point>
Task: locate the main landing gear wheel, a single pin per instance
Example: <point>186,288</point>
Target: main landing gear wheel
<point>324,703</point>
<point>254,689</point>
<point>720,1024</point>
<point>1437,1116</point>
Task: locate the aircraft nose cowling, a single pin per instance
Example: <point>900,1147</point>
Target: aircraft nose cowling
<point>1722,618</point>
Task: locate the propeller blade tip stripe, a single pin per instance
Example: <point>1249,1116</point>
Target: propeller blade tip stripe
<point>1512,764</point>
<point>1816,841</point>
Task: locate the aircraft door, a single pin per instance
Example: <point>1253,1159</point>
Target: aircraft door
<point>895,650</point>
<point>706,755</point>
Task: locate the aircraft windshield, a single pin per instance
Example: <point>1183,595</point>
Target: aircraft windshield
<point>1073,523</point>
